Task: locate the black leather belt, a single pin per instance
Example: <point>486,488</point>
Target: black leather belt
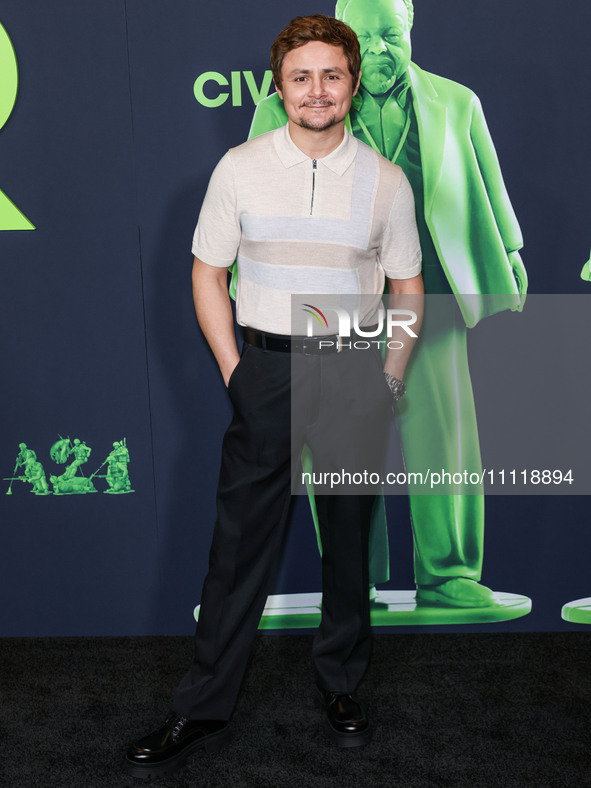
<point>308,346</point>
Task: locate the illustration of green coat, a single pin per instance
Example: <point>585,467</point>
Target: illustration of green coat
<point>474,232</point>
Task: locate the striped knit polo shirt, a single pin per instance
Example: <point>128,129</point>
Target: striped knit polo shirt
<point>336,225</point>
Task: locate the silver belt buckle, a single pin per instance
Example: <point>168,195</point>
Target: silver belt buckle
<point>307,347</point>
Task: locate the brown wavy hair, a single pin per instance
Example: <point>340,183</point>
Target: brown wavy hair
<point>316,27</point>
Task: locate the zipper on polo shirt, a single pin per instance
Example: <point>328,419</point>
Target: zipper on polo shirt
<point>314,168</point>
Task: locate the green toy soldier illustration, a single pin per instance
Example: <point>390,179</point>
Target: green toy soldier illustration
<point>36,475</point>
<point>77,485</point>
<point>69,482</point>
<point>60,450</point>
<point>81,454</point>
<point>24,451</point>
<point>436,131</point>
<point>33,471</point>
<point>117,474</point>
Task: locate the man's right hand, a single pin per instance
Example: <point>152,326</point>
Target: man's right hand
<point>214,313</point>
<point>228,374</point>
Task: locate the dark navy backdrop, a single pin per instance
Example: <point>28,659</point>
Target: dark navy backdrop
<point>108,153</point>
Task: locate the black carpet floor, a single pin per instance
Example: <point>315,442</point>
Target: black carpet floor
<point>449,710</point>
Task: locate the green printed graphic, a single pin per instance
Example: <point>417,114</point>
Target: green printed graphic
<point>235,85</point>
<point>256,94</point>
<point>578,611</point>
<point>393,608</point>
<point>10,216</point>
<point>117,475</point>
<point>586,272</point>
<point>74,454</point>
<point>70,481</point>
<point>81,454</point>
<point>435,130</point>
<point>33,472</point>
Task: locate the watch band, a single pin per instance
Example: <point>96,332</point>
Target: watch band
<point>396,386</point>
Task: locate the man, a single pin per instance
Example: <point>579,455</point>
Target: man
<point>304,209</point>
<point>435,130</point>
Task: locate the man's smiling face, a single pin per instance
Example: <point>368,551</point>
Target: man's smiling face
<point>316,86</point>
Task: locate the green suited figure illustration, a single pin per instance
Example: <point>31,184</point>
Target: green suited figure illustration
<point>436,131</point>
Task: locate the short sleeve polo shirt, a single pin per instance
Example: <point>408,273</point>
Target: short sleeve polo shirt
<point>336,225</point>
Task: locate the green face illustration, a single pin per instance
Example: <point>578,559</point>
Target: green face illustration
<point>383,28</point>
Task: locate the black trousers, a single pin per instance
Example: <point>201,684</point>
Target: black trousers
<point>253,500</point>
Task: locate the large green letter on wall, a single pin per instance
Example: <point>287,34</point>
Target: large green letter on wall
<point>10,216</point>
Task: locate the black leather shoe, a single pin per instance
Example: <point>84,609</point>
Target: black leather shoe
<point>346,719</point>
<point>167,749</point>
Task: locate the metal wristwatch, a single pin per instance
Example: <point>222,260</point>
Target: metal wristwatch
<point>396,386</point>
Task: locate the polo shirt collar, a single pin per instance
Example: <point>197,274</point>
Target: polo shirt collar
<point>338,161</point>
